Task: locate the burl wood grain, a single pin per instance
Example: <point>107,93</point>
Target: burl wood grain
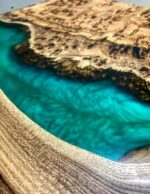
<point>89,39</point>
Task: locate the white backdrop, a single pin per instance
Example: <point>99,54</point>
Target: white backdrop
<point>7,5</point>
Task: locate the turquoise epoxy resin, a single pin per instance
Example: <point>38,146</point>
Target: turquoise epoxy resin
<point>95,116</point>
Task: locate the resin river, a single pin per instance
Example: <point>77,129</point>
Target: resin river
<point>94,116</point>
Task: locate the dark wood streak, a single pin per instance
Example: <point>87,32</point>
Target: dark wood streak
<point>4,188</point>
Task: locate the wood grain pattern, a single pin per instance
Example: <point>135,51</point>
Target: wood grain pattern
<point>141,155</point>
<point>89,39</point>
<point>32,161</point>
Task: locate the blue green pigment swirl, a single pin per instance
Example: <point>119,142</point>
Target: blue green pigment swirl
<point>96,116</point>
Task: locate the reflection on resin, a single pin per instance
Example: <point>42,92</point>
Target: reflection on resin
<point>95,116</point>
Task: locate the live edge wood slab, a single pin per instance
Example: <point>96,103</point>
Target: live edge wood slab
<point>89,39</point>
<point>32,161</point>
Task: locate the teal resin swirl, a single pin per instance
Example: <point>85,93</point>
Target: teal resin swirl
<point>96,116</point>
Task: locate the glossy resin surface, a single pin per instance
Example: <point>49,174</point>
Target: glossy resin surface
<point>96,116</point>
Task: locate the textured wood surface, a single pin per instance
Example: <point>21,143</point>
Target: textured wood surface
<point>34,161</point>
<point>89,39</point>
<point>141,155</point>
